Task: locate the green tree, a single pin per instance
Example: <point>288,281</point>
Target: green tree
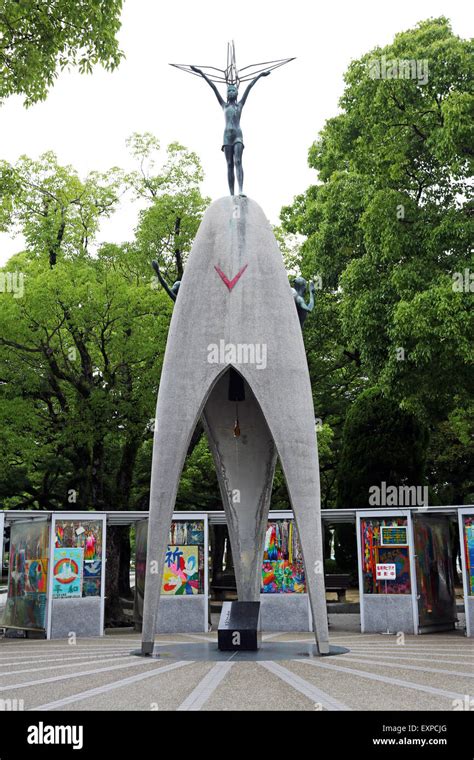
<point>38,39</point>
<point>450,457</point>
<point>80,355</point>
<point>169,223</point>
<point>381,443</point>
<point>58,213</point>
<point>390,223</point>
<point>387,228</point>
<point>198,488</point>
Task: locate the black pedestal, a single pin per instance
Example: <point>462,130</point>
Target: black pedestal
<point>239,627</point>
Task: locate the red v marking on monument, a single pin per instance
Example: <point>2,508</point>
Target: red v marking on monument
<point>230,283</point>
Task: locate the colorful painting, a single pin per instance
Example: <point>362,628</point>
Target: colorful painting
<point>85,535</point>
<point>27,612</point>
<point>67,573</point>
<point>36,576</point>
<point>283,567</point>
<point>469,552</point>
<point>92,568</point>
<point>25,607</point>
<point>187,533</point>
<point>80,534</point>
<point>281,577</point>
<point>374,553</point>
<point>181,573</point>
<point>196,533</point>
<point>434,570</point>
<point>17,574</point>
<point>398,556</point>
<point>91,587</point>
<point>394,535</point>
<point>92,577</point>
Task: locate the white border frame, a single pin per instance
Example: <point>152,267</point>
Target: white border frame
<point>413,574</point>
<point>83,517</point>
<point>367,514</point>
<point>462,513</point>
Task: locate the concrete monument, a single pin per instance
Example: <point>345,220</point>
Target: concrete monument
<point>236,359</point>
<point>241,365</point>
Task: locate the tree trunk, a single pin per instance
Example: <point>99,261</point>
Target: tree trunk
<point>218,540</point>
<point>326,542</point>
<point>456,551</point>
<point>124,566</point>
<point>178,254</point>
<point>114,616</point>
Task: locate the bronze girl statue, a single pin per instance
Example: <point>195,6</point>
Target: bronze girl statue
<point>233,143</point>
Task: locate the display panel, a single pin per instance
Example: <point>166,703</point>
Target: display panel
<point>187,578</point>
<point>373,553</point>
<point>184,561</point>
<point>77,558</point>
<point>469,552</point>
<point>434,564</point>
<point>27,576</point>
<point>283,567</point>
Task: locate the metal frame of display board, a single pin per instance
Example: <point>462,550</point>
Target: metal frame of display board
<point>388,514</point>
<point>69,516</point>
<point>468,598</point>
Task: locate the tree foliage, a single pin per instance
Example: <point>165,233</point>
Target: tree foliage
<point>82,342</point>
<point>381,443</point>
<point>81,350</point>
<point>38,39</point>
<point>388,229</point>
<point>56,211</point>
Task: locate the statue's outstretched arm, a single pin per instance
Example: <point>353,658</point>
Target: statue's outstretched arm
<point>211,85</point>
<point>254,81</point>
<point>162,280</point>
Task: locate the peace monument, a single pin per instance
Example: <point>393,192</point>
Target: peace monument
<point>253,411</point>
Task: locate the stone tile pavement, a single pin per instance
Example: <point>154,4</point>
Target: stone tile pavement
<point>431,672</point>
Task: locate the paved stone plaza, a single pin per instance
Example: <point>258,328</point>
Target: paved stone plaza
<point>431,672</point>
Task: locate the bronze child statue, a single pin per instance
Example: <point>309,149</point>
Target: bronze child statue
<point>233,143</point>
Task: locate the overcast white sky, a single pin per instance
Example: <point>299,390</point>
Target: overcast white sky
<point>86,119</point>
